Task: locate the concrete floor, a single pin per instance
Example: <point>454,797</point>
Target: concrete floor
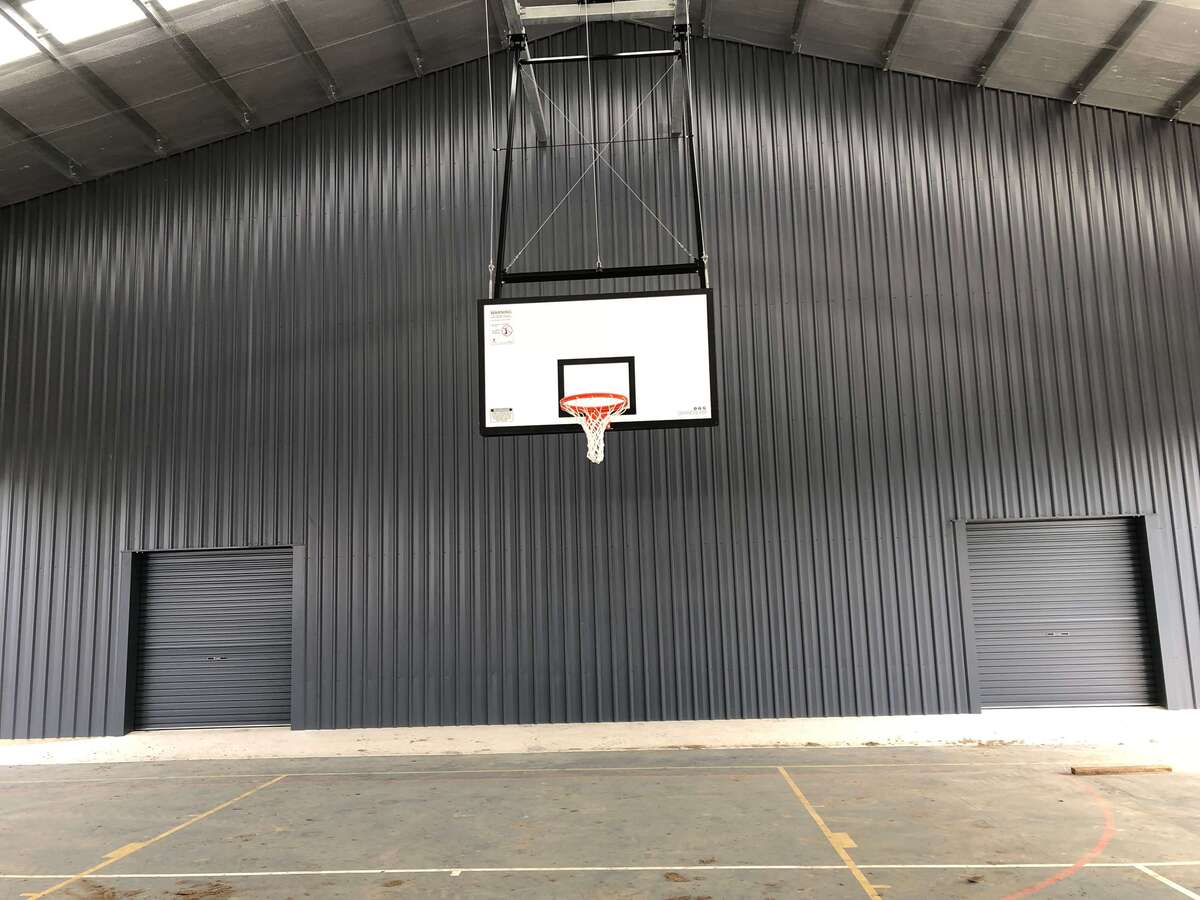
<point>970,822</point>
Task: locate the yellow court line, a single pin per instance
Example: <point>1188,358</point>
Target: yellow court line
<point>129,849</point>
<point>840,841</point>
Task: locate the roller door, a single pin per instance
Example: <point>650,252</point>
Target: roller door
<point>1061,613</point>
<point>214,638</point>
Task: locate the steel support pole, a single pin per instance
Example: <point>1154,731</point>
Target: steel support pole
<point>681,40</point>
<point>501,265</point>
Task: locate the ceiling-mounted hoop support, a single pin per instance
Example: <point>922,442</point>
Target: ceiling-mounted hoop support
<point>501,276</point>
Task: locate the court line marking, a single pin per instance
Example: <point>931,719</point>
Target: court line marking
<point>133,847</point>
<point>1168,882</point>
<point>566,869</point>
<point>840,841</point>
<point>1106,835</point>
<point>545,771</point>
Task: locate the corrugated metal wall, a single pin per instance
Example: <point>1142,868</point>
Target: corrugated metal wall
<point>935,303</point>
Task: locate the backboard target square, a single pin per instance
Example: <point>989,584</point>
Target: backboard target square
<point>606,374</point>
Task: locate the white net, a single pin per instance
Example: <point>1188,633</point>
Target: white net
<point>594,413</point>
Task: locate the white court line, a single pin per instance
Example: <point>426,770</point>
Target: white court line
<point>1169,883</point>
<point>565,869</point>
<point>549,771</point>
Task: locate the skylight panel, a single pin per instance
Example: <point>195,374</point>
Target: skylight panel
<point>14,44</point>
<point>72,20</point>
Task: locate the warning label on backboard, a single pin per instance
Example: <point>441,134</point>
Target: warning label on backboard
<point>502,415</point>
<point>500,329</point>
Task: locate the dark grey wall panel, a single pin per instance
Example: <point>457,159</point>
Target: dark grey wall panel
<point>1060,610</point>
<point>935,303</point>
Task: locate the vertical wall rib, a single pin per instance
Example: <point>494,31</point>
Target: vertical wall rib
<point>935,302</point>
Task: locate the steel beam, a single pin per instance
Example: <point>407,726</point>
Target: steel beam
<point>513,13</point>
<point>678,99</point>
<point>1186,96</point>
<point>803,8</point>
<point>497,282</point>
<point>1112,49</point>
<point>574,13</point>
<point>304,46</point>
<point>96,86</point>
<point>692,268</point>
<point>1003,38</point>
<point>61,162</point>
<point>678,96</point>
<point>701,258</point>
<point>899,28</point>
<point>499,16</point>
<point>194,56</point>
<point>595,57</point>
<point>408,38</point>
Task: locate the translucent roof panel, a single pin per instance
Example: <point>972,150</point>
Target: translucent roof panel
<point>13,44</point>
<point>74,20</point>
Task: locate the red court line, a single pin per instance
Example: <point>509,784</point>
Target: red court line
<point>1106,835</point>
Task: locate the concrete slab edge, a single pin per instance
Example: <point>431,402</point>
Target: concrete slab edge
<point>1153,735</point>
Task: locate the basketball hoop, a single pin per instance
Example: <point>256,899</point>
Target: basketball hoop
<point>595,412</point>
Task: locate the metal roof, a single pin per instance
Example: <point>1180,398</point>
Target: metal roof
<point>175,74</point>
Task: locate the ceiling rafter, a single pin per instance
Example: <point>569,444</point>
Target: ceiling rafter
<point>899,28</point>
<point>56,158</point>
<point>1187,95</point>
<point>412,48</point>
<point>1112,49</point>
<point>533,96</point>
<point>54,51</point>
<point>1003,38</point>
<point>195,57</point>
<point>304,46</point>
<point>799,21</point>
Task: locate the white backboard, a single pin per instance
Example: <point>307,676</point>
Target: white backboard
<point>656,348</point>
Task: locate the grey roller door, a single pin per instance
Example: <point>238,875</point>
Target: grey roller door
<point>215,638</point>
<point>1061,613</point>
